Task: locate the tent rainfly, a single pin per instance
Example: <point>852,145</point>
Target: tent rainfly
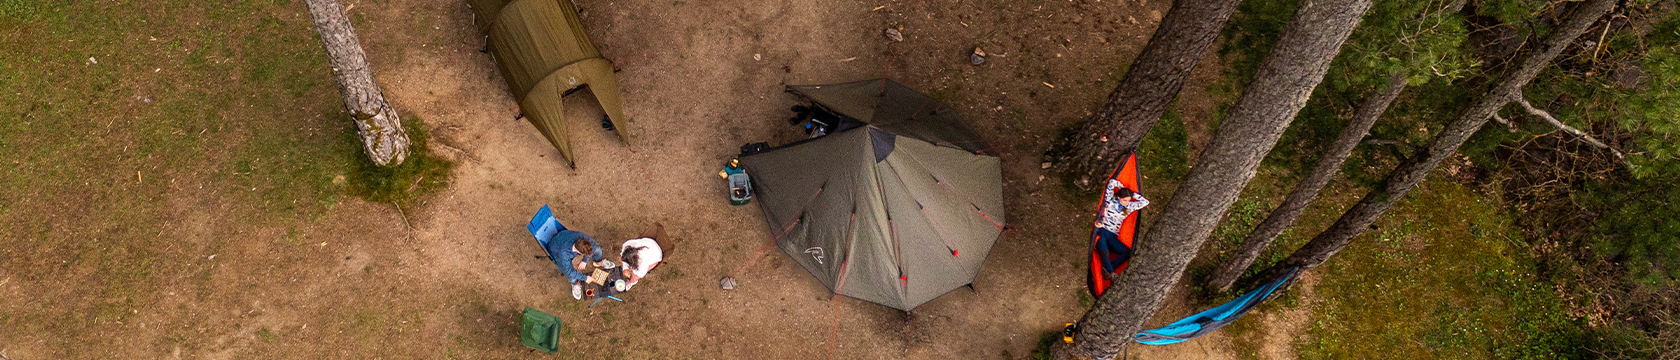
<point>896,206</point>
<point>543,52</point>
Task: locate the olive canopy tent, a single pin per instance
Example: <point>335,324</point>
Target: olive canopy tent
<point>542,51</point>
<point>896,208</point>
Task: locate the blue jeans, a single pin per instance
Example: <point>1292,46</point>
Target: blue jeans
<point>1110,251</point>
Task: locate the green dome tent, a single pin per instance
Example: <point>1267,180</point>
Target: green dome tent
<point>543,52</point>
<point>896,207</point>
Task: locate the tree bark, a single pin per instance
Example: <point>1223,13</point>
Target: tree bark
<point>1413,169</point>
<point>1280,88</point>
<point>1153,80</point>
<point>381,130</point>
<point>1304,193</point>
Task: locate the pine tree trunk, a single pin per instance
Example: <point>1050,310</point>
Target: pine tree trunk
<point>1153,80</point>
<point>382,133</point>
<point>1284,215</point>
<point>1280,88</point>
<point>1414,169</point>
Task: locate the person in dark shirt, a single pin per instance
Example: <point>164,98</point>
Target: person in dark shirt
<point>580,244</point>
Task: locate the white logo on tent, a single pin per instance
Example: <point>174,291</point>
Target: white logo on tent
<point>816,253</point>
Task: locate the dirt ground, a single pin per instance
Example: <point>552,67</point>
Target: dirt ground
<point>445,278</point>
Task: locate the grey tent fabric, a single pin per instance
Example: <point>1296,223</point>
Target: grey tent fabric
<point>894,107</point>
<point>890,218</point>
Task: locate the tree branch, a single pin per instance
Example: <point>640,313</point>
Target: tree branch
<point>1508,125</point>
<point>1542,114</point>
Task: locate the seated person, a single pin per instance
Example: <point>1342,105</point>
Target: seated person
<point>1118,203</point>
<point>581,244</point>
<point>639,256</point>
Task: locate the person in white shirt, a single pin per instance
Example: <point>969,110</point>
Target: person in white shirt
<point>1118,203</point>
<point>639,256</point>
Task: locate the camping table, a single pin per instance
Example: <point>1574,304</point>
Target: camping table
<point>606,289</point>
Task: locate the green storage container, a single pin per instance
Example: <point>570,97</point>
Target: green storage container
<point>540,330</point>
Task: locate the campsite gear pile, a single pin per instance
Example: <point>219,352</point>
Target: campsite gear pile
<point>543,53</point>
<point>896,205</point>
<point>740,185</point>
<point>815,120</point>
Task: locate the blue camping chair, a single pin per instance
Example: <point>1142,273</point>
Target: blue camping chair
<point>543,226</point>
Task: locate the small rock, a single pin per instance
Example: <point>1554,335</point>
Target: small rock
<point>93,60</point>
<point>892,34</point>
<point>1044,165</point>
<point>756,57</point>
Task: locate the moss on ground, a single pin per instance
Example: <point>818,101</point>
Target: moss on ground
<point>421,174</point>
<point>117,118</point>
<point>1443,276</point>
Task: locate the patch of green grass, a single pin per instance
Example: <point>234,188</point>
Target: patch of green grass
<point>1242,218</point>
<point>1164,154</point>
<point>420,174</point>
<point>135,120</point>
<point>266,335</point>
<point>1042,351</point>
<point>1439,279</point>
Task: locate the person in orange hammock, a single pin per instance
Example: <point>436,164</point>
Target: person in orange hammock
<point>1118,203</point>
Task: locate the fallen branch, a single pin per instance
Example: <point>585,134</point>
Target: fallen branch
<point>405,219</point>
<point>1542,114</point>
